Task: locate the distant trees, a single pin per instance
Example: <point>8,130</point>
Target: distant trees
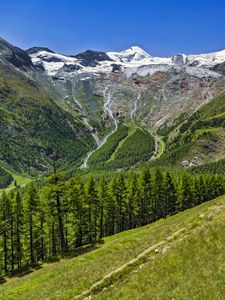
<point>129,153</point>
<point>38,224</point>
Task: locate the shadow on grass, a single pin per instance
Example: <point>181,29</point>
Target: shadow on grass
<point>83,249</point>
<point>25,270</point>
<point>2,280</point>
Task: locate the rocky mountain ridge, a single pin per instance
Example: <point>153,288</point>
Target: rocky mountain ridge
<point>131,61</point>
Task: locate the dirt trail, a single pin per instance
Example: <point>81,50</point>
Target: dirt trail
<point>129,263</point>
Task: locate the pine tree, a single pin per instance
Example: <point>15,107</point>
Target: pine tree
<point>58,207</point>
<point>111,208</point>
<point>118,193</point>
<point>103,198</point>
<point>132,200</point>
<point>145,205</point>
<point>186,193</point>
<point>170,196</point>
<point>19,226</point>
<point>158,194</point>
<point>77,212</point>
<point>199,190</point>
<point>93,210</point>
<point>11,197</point>
<point>5,223</point>
<point>32,207</point>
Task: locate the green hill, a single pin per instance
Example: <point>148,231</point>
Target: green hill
<point>126,147</point>
<point>34,130</point>
<point>181,257</point>
<point>199,138</point>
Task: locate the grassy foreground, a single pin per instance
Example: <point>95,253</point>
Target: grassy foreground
<point>189,266</point>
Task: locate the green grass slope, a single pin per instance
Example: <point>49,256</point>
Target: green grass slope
<point>197,139</point>
<point>191,267</point>
<point>178,257</point>
<point>34,131</point>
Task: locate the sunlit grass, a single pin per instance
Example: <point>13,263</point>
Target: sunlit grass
<point>191,268</point>
<point>69,277</point>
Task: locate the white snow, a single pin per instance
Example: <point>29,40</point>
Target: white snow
<point>134,60</point>
<point>209,59</point>
<point>133,54</point>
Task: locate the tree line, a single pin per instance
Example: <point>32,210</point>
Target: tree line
<point>39,224</point>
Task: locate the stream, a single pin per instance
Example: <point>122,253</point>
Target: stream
<point>84,118</point>
<point>135,107</point>
<point>107,108</point>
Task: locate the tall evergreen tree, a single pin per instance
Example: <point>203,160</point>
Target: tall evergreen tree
<point>158,194</point>
<point>58,207</point>
<point>5,226</point>
<point>103,198</point>
<point>186,193</point>
<point>170,196</point>
<point>132,200</point>
<point>19,227</point>
<point>145,205</point>
<point>32,209</point>
<point>93,210</point>
<point>111,208</point>
<point>77,210</point>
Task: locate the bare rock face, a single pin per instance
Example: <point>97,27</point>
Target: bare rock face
<point>34,50</point>
<point>179,59</point>
<point>219,68</point>
<point>91,58</point>
<point>15,56</point>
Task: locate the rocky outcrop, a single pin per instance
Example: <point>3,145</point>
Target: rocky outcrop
<point>15,56</point>
<point>219,68</point>
<point>38,49</point>
<point>91,58</point>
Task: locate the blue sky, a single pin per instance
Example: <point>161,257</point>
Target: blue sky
<point>160,27</point>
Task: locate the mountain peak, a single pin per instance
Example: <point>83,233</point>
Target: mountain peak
<point>34,50</point>
<point>132,54</point>
<point>14,55</point>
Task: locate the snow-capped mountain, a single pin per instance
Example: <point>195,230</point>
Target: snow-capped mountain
<point>131,55</point>
<point>206,60</point>
<point>174,84</point>
<point>130,61</point>
<point>101,90</point>
<point>152,90</point>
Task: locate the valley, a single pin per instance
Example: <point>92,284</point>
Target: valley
<point>97,92</point>
<point>112,174</point>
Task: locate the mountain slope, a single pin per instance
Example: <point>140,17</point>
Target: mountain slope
<point>141,254</point>
<point>199,138</point>
<point>186,267</point>
<point>35,131</point>
<point>15,56</point>
<point>62,106</point>
<point>154,85</point>
<point>122,149</point>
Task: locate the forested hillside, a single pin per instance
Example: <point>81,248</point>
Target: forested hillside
<point>41,224</point>
<point>125,148</point>
<point>5,178</point>
<point>35,132</point>
<point>187,247</point>
<point>199,138</point>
